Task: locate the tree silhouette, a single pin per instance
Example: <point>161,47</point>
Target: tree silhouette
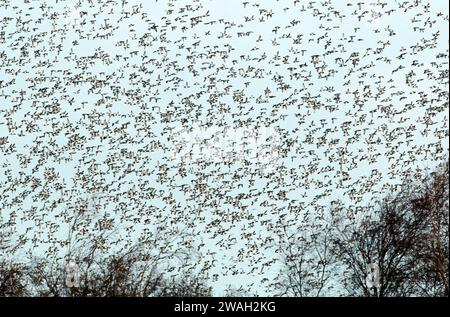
<point>405,239</point>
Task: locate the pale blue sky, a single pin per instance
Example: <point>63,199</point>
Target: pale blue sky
<point>310,184</point>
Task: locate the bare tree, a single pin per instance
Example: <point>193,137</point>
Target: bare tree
<point>406,239</point>
<point>384,243</point>
<point>130,273</point>
<point>307,261</point>
<point>105,265</point>
<point>432,252</point>
<point>400,249</point>
<point>12,280</point>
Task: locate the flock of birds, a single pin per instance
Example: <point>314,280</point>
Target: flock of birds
<point>92,91</point>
